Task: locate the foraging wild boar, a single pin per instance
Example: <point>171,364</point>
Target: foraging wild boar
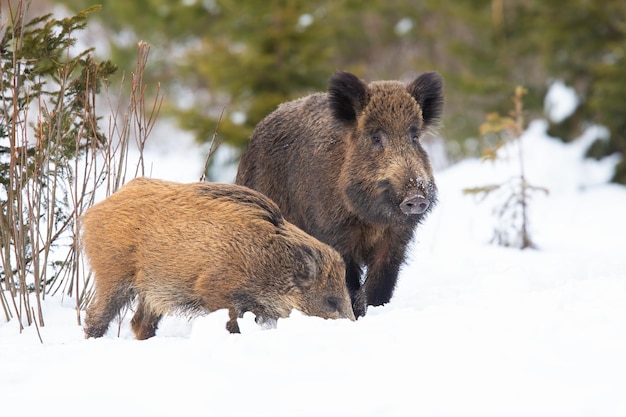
<point>201,247</point>
<point>348,167</point>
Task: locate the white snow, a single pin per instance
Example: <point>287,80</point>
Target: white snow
<point>560,101</point>
<point>473,329</point>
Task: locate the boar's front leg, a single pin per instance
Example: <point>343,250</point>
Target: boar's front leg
<point>232,326</point>
<point>382,275</point>
<point>353,281</point>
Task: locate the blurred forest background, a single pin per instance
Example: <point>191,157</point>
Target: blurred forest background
<point>240,59</point>
<point>251,55</point>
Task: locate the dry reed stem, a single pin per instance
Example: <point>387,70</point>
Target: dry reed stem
<point>47,195</point>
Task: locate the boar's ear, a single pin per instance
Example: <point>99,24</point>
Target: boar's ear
<point>348,96</point>
<point>427,90</point>
<point>306,266</point>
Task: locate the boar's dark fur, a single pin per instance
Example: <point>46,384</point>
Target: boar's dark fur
<point>201,247</point>
<point>348,167</point>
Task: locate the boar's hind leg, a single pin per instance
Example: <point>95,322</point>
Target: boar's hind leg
<point>107,304</point>
<point>145,321</point>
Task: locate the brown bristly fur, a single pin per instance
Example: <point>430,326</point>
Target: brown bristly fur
<point>349,168</point>
<point>202,247</point>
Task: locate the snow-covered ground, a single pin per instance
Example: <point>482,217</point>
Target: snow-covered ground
<point>473,329</point>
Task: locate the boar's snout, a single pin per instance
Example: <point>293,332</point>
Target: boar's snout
<point>414,204</point>
<point>337,308</point>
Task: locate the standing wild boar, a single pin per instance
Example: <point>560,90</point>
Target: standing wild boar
<point>348,167</point>
<point>202,247</point>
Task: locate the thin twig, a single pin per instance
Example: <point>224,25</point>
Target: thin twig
<point>37,327</point>
<point>213,145</point>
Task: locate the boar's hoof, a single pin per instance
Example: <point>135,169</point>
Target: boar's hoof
<point>416,204</point>
<point>232,326</point>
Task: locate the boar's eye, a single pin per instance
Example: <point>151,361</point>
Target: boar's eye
<point>414,135</point>
<point>332,304</point>
<point>377,138</point>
